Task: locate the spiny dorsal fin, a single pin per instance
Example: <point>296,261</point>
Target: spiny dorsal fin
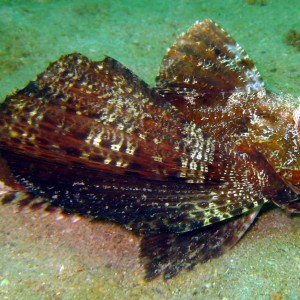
<point>206,62</point>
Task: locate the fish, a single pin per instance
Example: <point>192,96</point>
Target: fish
<point>186,164</point>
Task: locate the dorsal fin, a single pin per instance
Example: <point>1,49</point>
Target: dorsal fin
<point>206,63</point>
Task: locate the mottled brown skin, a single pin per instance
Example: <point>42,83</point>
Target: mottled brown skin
<point>221,90</point>
<point>187,164</point>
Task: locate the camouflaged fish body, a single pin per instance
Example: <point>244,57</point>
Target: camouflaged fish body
<point>187,164</point>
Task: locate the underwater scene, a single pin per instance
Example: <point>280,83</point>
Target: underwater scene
<point>150,149</point>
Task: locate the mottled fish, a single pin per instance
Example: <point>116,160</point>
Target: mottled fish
<point>187,164</point>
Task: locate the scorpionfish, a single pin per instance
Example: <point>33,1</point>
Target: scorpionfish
<point>186,164</point>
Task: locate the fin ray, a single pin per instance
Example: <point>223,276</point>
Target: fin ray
<point>207,61</point>
<point>142,204</point>
<point>169,253</point>
<point>200,73</point>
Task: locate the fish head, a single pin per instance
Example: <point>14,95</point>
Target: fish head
<point>275,132</point>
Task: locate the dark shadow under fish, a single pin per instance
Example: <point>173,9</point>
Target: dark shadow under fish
<point>187,164</point>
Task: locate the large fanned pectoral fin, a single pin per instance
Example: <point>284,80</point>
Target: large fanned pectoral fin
<point>96,140</point>
<point>169,253</point>
<point>101,116</point>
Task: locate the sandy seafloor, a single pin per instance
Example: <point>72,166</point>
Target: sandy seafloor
<point>45,258</point>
